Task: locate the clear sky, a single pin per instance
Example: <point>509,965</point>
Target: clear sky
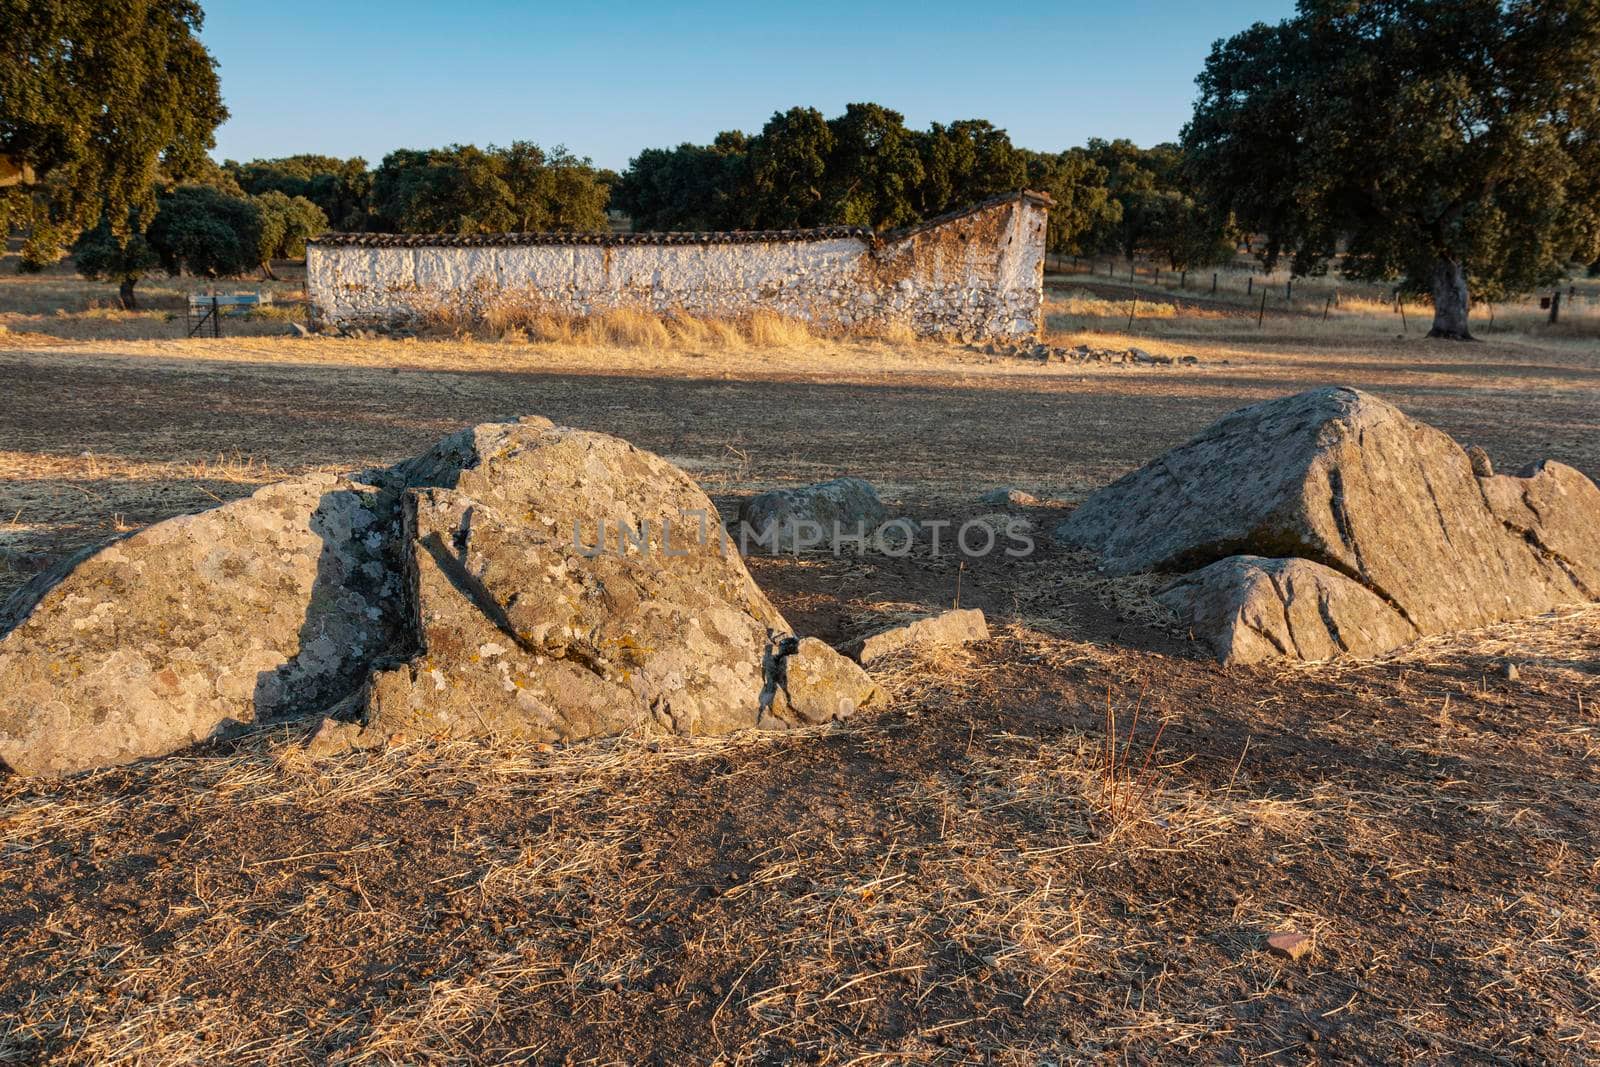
<point>349,77</point>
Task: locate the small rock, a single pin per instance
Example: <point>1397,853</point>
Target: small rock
<point>335,738</point>
<point>297,329</point>
<point>787,520</point>
<point>818,685</point>
<point>1481,465</point>
<point>959,627</point>
<point>1010,497</point>
<point>1289,945</point>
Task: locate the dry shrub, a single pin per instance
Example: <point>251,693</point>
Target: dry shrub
<point>896,332</point>
<point>627,328</point>
<point>691,330</point>
<point>525,319</point>
<point>768,329</point>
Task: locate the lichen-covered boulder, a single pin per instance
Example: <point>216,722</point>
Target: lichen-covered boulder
<point>789,520</point>
<point>571,586</point>
<point>264,606</point>
<point>514,579</point>
<point>1248,609</point>
<point>1337,477</point>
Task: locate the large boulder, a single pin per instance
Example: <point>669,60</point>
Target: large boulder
<point>571,586</point>
<point>789,520</point>
<point>194,626</point>
<point>463,591</point>
<point>1339,478</point>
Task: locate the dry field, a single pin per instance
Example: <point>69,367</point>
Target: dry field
<point>1068,843</point>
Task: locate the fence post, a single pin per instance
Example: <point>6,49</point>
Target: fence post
<point>1183,280</point>
<point>1213,283</point>
<point>1134,307</point>
<point>1555,307</point>
<point>1325,308</point>
<point>216,319</point>
<point>1262,314</point>
<point>1288,290</point>
<point>1250,285</point>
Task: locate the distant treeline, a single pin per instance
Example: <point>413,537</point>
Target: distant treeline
<point>866,168</point>
<point>863,168</point>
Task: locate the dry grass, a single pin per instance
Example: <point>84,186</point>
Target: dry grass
<point>1324,307</point>
<point>528,320</point>
<point>1061,845</point>
<point>947,883</point>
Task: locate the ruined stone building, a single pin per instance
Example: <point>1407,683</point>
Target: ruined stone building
<point>973,274</point>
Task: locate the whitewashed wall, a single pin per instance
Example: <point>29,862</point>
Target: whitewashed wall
<point>975,275</point>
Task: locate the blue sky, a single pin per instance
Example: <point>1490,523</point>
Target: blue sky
<point>347,77</point>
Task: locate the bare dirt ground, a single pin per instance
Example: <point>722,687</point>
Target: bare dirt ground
<point>1067,843</point>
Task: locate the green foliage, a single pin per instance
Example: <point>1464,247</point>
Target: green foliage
<point>788,165</point>
<point>339,187</point>
<point>965,162</point>
<point>1083,203</point>
<point>1412,133</point>
<point>873,172</point>
<point>203,230</point>
<point>465,189</point>
<point>206,232</point>
<point>1157,214</point>
<point>863,168</point>
<point>284,226</point>
<point>102,256</point>
<point>691,187</point>
<point>100,102</point>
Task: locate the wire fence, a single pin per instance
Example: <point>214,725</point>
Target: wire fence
<point>1575,303</point>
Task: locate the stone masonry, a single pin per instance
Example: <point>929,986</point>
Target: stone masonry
<point>972,275</point>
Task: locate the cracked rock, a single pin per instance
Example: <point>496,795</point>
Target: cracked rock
<point>1339,478</point>
<point>1248,609</point>
<point>264,607</point>
<point>515,579</point>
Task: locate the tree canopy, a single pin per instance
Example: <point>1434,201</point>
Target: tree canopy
<point>862,168</point>
<point>203,230</point>
<point>339,187</point>
<point>1439,144</point>
<point>867,168</point>
<point>98,102</point>
<point>464,189</point>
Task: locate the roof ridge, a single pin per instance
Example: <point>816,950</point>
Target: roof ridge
<point>667,237</point>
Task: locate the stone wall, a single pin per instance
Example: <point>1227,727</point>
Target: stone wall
<point>973,274</point>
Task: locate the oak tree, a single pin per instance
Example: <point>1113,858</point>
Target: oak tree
<point>1451,145</point>
<point>97,100</point>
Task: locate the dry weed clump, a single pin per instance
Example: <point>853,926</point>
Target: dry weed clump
<point>529,319</point>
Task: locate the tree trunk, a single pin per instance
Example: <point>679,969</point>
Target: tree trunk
<point>1450,301</point>
<point>125,293</point>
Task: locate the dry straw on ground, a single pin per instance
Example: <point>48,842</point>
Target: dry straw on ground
<point>1067,843</point>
